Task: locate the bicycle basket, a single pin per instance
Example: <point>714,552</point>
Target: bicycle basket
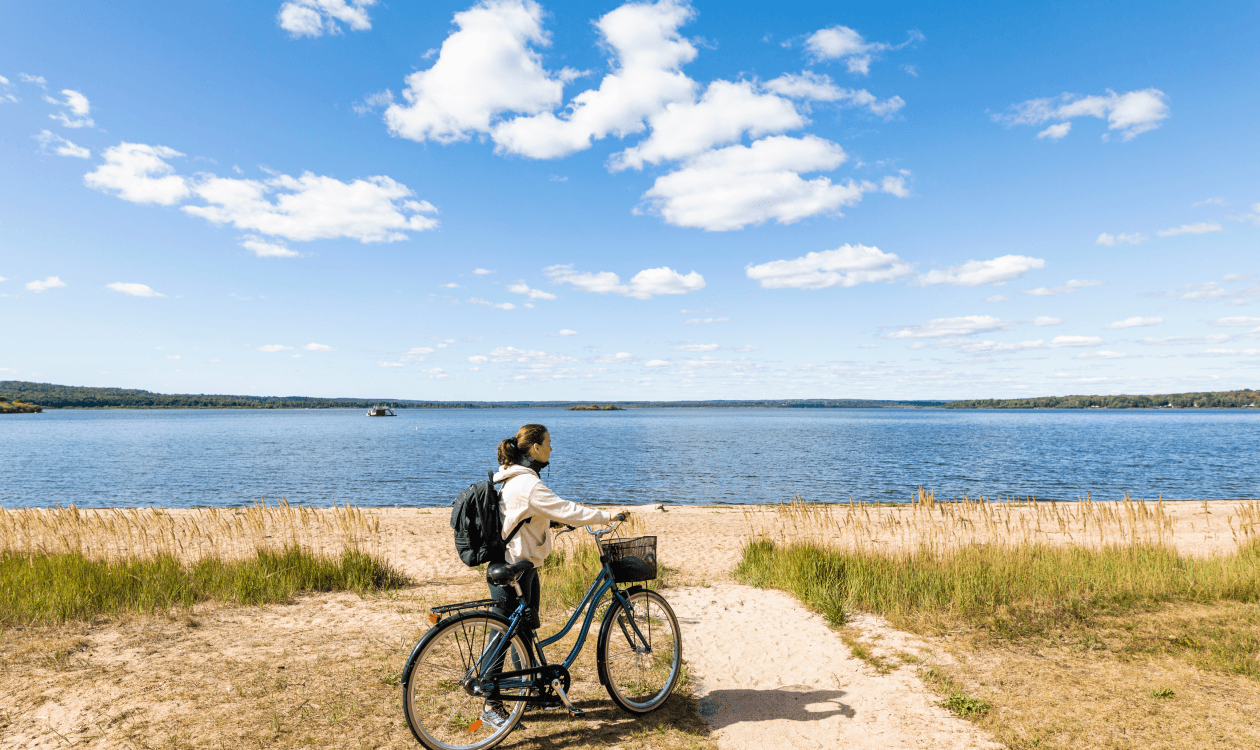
<point>632,559</point>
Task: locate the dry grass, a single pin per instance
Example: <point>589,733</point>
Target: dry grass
<point>1062,625</point>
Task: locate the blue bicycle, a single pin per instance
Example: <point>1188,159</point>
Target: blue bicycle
<point>469,679</point>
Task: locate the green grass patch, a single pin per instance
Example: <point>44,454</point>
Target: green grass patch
<point>1011,591</point>
<point>45,589</point>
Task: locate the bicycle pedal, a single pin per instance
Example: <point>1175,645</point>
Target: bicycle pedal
<point>576,713</point>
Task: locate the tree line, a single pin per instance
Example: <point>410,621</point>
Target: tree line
<point>1195,400</point>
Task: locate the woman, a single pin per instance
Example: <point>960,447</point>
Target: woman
<point>524,496</point>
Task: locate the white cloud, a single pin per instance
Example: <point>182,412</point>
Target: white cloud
<point>701,321</point>
<point>315,18</point>
<point>1253,217</point>
<point>1179,340</point>
<point>52,282</point>
<point>1135,322</point>
<point>452,285</point>
<point>488,303</point>
<point>1235,322</point>
<point>1102,354</point>
<point>1231,353</point>
<point>1201,227</point>
<point>272,348</point>
<point>949,327</point>
<point>613,359</point>
<point>481,271</point>
<point>723,115</point>
<point>565,332</point>
<point>656,363</point>
<point>390,364</point>
<point>1208,202</point>
<point>263,249</point>
<point>135,290</point>
<point>487,67</point>
<point>978,272</point>
<point>697,348</point>
<point>986,347</point>
<point>76,105</point>
<point>1111,240</point>
<point>523,356</point>
<point>38,80</point>
<point>1067,288</point>
<point>1132,113</point>
<point>732,187</point>
<point>815,87</point>
<point>436,373</point>
<point>1045,320</point>
<point>997,298</point>
<point>60,146</point>
<point>1059,341</point>
<point>1056,132</point>
<point>844,43</point>
<point>137,172</point>
<point>846,266</point>
<point>313,347</point>
<point>521,288</point>
<point>643,285</point>
<point>312,207</point>
<point>415,354</point>
<point>648,54</point>
<point>478,359</point>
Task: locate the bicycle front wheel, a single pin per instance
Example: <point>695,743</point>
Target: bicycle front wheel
<point>441,710</point>
<point>640,652</point>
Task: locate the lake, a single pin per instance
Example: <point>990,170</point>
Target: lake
<point>423,457</point>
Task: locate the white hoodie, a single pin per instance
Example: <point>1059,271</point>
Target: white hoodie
<point>525,496</point>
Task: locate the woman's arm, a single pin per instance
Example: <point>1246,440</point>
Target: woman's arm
<point>542,500</point>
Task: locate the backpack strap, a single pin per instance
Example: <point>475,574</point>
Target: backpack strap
<point>521,523</point>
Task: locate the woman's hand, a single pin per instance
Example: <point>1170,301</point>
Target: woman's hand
<point>622,516</point>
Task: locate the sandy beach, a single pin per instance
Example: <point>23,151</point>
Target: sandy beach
<point>766,671</point>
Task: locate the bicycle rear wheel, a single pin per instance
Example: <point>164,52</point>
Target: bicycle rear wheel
<point>441,712</point>
<point>640,668</point>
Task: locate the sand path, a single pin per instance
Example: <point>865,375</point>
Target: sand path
<point>774,674</point>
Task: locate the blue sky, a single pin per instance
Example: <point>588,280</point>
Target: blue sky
<point>514,200</point>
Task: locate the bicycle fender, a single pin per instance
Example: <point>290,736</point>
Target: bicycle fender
<point>431,633</point>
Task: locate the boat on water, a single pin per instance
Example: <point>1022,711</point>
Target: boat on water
<point>381,410</point>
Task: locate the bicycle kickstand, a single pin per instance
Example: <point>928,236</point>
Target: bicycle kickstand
<point>574,711</point>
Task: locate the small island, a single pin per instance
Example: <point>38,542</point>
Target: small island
<point>18,407</point>
<point>595,407</point>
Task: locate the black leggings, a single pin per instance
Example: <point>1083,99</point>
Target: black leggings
<point>505,598</point>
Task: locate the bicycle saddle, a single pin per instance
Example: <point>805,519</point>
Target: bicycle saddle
<point>502,574</point>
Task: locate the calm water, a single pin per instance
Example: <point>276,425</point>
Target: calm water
<point>424,457</point>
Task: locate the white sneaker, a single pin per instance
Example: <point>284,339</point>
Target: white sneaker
<point>495,715</point>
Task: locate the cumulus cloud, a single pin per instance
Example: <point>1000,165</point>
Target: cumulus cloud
<point>648,54</point>
<point>76,108</point>
<point>521,288</point>
<point>313,347</point>
<point>272,348</point>
<point>52,282</point>
<point>390,364</point>
<point>815,87</point>
<point>1135,322</point>
<point>697,348</point>
<point>1102,354</point>
<point>1056,132</point>
<point>980,272</point>
<point>968,346</point>
<point>1201,227</point>
<point>315,18</point>
<point>565,332</point>
<point>488,303</point>
<point>997,298</point>
<point>487,67</point>
<point>1111,240</point>
<point>1231,353</point>
<point>656,363</point>
<point>311,207</point>
<point>135,290</point>
<point>50,142</point>
<point>264,249</point>
<point>644,285</point>
<point>482,271</point>
<point>732,187</point>
<point>1253,217</point>
<point>614,359</point>
<point>415,354</point>
<point>1239,321</point>
<point>1132,113</point>
<point>1084,341</point>
<point>1067,288</point>
<point>846,266</point>
<point>1180,340</point>
<point>846,44</point>
<point>950,327</point>
<point>702,321</point>
<point>138,173</point>
<point>1046,320</point>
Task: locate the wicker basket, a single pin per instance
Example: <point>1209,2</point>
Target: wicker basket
<point>632,559</point>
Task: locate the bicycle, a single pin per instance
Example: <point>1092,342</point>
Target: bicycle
<point>472,657</point>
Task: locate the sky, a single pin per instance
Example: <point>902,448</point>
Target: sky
<point>514,200</point>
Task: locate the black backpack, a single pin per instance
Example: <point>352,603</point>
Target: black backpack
<point>478,527</point>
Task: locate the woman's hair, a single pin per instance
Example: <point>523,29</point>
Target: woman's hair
<point>512,450</point>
